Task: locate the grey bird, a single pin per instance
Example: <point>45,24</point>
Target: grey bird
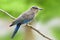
<point>24,18</point>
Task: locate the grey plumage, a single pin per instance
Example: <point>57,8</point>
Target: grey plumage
<point>28,15</point>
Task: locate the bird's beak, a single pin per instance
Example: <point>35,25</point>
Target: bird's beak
<point>40,9</point>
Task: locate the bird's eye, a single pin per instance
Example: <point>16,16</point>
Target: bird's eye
<point>36,8</point>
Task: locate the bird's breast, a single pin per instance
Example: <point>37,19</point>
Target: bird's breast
<point>30,16</point>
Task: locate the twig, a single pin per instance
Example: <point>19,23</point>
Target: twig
<point>26,25</point>
<point>7,14</point>
<point>38,32</point>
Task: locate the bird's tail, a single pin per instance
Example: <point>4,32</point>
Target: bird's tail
<point>16,29</point>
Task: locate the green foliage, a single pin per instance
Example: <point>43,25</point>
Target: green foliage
<point>51,9</point>
<point>56,32</point>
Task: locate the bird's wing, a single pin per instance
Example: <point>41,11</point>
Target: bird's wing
<point>26,16</point>
<point>18,20</point>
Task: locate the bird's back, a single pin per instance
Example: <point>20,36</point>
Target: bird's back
<point>29,15</point>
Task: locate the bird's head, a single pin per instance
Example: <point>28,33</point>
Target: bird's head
<point>35,9</point>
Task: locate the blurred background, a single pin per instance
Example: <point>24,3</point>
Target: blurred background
<point>47,20</point>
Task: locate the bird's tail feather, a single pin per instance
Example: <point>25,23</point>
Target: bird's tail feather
<point>16,29</point>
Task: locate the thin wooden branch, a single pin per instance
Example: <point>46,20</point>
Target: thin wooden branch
<point>7,14</point>
<point>38,32</point>
<point>26,25</point>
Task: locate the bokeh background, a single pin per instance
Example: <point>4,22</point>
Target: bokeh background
<point>47,20</point>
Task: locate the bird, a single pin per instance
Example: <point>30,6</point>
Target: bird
<point>24,18</point>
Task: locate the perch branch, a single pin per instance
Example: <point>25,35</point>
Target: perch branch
<point>26,25</point>
<point>7,14</point>
<point>38,32</point>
